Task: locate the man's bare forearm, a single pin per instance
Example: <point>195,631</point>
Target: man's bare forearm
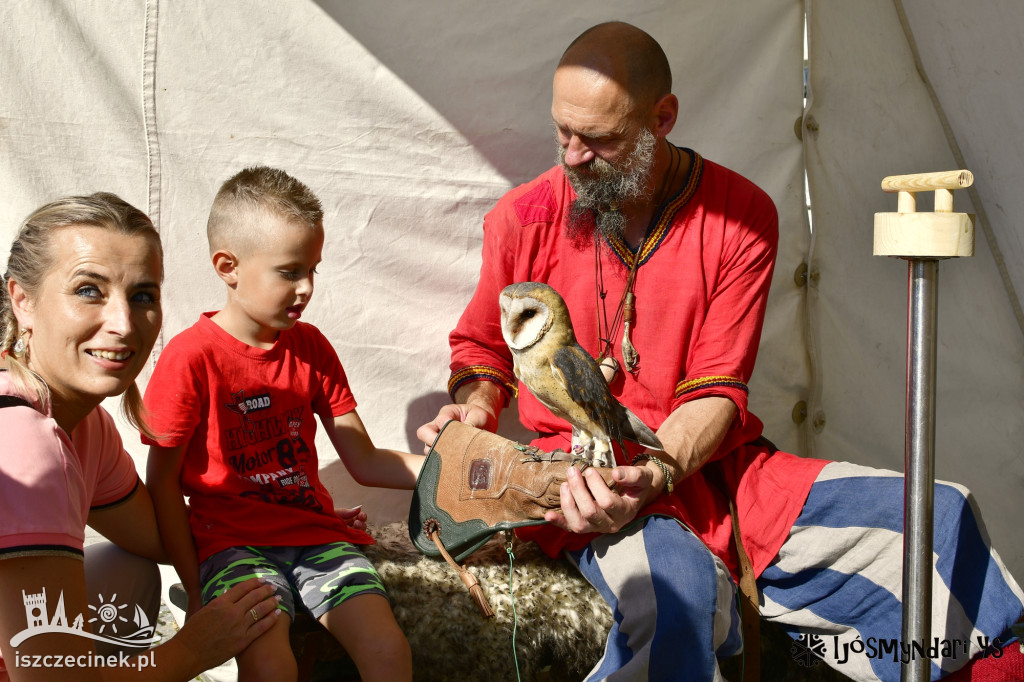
<point>693,432</point>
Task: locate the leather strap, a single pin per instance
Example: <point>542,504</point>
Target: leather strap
<point>472,584</point>
<point>750,612</point>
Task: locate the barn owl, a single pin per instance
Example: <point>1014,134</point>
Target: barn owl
<point>554,367</point>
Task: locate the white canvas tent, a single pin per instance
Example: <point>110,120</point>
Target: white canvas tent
<point>409,119</point>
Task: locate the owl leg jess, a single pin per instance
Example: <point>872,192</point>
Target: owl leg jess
<point>581,443</point>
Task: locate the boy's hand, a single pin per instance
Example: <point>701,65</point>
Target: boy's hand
<point>354,517</point>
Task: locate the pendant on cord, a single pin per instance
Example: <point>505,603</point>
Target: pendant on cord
<point>609,368</point>
<point>629,354</point>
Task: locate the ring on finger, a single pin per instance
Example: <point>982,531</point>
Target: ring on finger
<point>255,616</point>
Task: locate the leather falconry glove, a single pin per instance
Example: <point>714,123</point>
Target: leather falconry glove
<point>474,484</point>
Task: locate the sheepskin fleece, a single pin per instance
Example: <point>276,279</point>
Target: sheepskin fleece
<point>562,620</point>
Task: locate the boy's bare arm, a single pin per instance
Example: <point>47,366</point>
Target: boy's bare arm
<point>163,478</point>
<point>369,465</point>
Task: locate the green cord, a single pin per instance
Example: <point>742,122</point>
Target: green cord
<point>515,616</point>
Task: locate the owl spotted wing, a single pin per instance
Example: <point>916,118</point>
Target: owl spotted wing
<point>579,374</point>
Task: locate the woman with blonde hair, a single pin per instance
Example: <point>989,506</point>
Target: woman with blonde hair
<point>79,314</point>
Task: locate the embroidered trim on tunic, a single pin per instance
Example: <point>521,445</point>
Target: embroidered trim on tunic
<point>482,373</point>
<point>691,385</point>
<point>664,222</point>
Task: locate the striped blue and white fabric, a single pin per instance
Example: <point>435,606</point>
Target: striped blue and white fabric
<point>837,580</point>
<point>673,602</point>
<point>835,587</point>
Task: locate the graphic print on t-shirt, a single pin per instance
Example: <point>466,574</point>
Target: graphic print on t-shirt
<point>266,450</point>
<point>243,406</point>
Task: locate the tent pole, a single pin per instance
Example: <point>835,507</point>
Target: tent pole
<point>919,479</point>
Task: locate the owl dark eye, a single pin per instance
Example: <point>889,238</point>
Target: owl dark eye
<point>527,314</point>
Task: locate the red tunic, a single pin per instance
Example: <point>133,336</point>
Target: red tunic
<point>701,290</point>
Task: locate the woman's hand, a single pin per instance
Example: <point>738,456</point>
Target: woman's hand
<point>229,623</point>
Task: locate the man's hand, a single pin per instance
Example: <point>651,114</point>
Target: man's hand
<point>589,506</point>
<point>474,415</point>
<point>477,403</point>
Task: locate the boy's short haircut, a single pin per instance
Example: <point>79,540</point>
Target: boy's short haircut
<point>253,194</point>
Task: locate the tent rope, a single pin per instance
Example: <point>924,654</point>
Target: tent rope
<point>810,291</point>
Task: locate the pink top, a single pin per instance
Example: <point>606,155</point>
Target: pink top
<point>49,481</point>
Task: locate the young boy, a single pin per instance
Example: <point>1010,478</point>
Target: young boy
<point>234,399</point>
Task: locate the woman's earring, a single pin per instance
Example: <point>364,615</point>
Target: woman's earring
<point>19,346</point>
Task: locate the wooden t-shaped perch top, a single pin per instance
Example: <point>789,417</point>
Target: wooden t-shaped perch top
<point>942,234</point>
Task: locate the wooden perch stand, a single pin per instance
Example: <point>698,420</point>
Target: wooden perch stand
<point>922,239</point>
<point>942,234</point>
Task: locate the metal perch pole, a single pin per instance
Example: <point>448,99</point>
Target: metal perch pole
<point>922,239</point>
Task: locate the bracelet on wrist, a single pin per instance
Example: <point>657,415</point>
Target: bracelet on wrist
<point>669,485</point>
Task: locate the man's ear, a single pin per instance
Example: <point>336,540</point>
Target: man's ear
<point>21,304</point>
<point>225,264</point>
<point>664,115</point>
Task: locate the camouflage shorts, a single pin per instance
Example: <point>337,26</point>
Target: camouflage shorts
<point>318,577</point>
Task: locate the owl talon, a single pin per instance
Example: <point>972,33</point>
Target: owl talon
<point>581,463</point>
<point>532,452</point>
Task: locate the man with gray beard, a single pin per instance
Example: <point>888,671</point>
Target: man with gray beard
<point>664,260</point>
<point>602,188</point>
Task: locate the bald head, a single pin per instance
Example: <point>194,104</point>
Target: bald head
<point>625,54</point>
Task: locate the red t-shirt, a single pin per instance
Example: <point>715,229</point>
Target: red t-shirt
<point>701,291</point>
<point>246,417</point>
